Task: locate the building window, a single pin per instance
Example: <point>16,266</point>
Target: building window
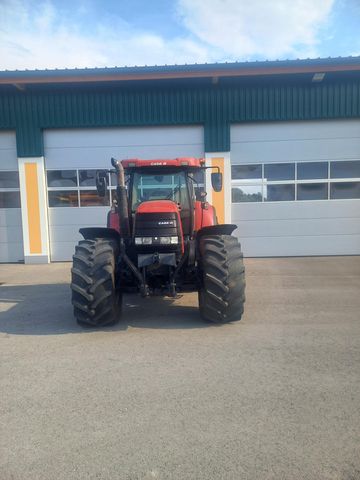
<point>312,191</point>
<point>9,199</point>
<point>62,178</point>
<point>348,169</point>
<point>344,190</point>
<point>90,198</point>
<point>9,189</point>
<point>246,172</point>
<point>279,171</point>
<point>9,180</point>
<point>312,170</point>
<point>63,198</point>
<point>279,193</point>
<point>298,181</point>
<point>76,188</point>
<point>247,193</point>
<point>87,178</point>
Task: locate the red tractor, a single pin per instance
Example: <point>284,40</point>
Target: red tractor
<point>160,238</point>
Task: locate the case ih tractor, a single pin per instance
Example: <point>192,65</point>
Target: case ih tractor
<point>160,239</point>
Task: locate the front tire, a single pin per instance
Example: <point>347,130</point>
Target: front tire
<point>222,271</point>
<point>95,297</point>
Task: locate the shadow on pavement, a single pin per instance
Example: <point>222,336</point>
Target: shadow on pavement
<point>46,310</point>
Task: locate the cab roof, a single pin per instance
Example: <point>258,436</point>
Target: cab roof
<point>184,162</point>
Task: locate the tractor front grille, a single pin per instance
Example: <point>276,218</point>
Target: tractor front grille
<point>157,225</point>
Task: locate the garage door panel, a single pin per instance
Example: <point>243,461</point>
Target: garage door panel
<point>10,217</point>
<point>11,239</point>
<point>11,252</point>
<point>100,157</point>
<point>128,136</point>
<point>296,130</point>
<point>299,246</point>
<point>64,228</point>
<point>66,233</point>
<point>78,216</point>
<point>277,228</point>
<point>93,148</point>
<point>63,251</point>
<point>296,150</point>
<point>9,234</point>
<point>296,210</point>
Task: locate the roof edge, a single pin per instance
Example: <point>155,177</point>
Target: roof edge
<point>233,69</point>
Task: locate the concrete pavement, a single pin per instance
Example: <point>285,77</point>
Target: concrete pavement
<point>163,395</point>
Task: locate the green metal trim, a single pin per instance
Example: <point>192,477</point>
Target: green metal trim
<point>214,107</point>
<point>29,141</point>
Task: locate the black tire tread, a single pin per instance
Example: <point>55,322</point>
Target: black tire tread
<point>222,294</point>
<point>95,298</point>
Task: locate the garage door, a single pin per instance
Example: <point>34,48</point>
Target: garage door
<point>296,187</point>
<point>11,242</point>
<point>72,157</point>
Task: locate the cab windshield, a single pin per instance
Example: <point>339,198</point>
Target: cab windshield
<point>168,186</point>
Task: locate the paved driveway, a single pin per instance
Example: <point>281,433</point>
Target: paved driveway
<point>165,396</point>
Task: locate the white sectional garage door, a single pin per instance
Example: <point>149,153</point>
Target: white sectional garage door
<point>11,241</point>
<point>296,187</point>
<point>72,157</point>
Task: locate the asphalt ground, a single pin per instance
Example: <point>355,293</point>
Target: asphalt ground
<point>165,396</point>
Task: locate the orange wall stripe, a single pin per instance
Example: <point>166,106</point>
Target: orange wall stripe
<point>218,198</point>
<point>33,208</point>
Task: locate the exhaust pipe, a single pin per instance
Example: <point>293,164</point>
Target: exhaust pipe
<point>123,206</point>
<point>123,211</point>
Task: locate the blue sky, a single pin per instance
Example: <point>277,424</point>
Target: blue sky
<point>89,33</point>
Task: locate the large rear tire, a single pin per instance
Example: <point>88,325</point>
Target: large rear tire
<point>95,297</point>
<point>222,293</point>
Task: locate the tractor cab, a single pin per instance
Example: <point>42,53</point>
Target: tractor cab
<point>176,181</point>
<point>163,185</point>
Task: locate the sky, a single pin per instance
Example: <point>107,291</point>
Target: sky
<point>38,34</point>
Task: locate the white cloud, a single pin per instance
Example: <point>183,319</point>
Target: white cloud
<point>262,28</point>
<point>39,36</point>
<point>35,34</point>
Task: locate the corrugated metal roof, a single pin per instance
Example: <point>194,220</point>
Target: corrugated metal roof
<point>268,67</point>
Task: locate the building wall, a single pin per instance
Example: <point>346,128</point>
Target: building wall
<point>215,107</point>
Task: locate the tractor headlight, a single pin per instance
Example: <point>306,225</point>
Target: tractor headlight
<point>156,240</point>
<point>165,240</point>
<point>143,240</point>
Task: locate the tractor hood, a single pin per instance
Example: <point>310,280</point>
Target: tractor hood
<point>157,206</point>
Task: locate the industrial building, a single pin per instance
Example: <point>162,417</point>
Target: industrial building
<point>286,135</point>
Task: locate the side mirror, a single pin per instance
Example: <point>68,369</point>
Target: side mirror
<point>216,181</point>
<point>101,182</point>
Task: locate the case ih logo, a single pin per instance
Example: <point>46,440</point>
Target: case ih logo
<point>158,163</point>
<point>165,223</point>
